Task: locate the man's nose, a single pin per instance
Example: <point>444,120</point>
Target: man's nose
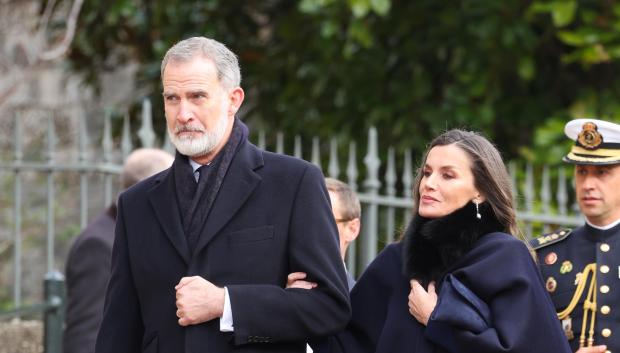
<point>588,182</point>
<point>185,113</point>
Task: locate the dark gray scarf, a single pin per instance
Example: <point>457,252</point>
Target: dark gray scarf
<point>196,199</point>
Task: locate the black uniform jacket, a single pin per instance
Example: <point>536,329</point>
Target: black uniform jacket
<point>271,217</point>
<point>563,255</point>
<point>499,270</point>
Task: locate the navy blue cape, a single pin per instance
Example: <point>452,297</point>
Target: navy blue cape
<point>499,270</point>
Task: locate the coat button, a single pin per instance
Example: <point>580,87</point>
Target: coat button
<point>605,309</point>
<point>606,332</point>
<point>604,269</point>
<point>604,289</point>
<point>604,247</point>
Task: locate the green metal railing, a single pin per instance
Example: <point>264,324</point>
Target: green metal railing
<point>53,309</point>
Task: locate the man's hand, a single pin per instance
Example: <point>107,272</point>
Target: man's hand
<point>421,302</point>
<point>295,280</point>
<point>198,301</point>
<point>593,349</point>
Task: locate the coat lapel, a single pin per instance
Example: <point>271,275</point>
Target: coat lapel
<point>163,199</point>
<point>237,186</point>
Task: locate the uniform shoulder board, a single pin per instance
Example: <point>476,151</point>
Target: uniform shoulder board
<point>550,238</point>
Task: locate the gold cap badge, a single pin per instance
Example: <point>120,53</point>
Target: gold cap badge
<point>589,137</point>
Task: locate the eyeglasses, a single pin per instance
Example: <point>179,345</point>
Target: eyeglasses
<point>344,220</point>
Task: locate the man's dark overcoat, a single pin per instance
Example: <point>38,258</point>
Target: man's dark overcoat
<point>270,217</point>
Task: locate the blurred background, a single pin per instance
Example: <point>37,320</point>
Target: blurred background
<point>358,87</point>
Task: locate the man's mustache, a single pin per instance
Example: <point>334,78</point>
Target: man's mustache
<point>187,128</point>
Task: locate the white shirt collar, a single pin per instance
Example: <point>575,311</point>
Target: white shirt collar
<point>195,165</point>
<point>609,226</point>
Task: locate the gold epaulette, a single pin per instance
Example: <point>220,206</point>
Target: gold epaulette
<point>550,238</point>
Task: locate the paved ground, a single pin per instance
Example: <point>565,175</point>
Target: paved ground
<point>21,336</point>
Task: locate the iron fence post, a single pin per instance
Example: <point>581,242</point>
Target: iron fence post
<point>54,315</point>
<point>370,213</point>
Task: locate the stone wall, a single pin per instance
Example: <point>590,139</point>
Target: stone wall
<point>19,336</point>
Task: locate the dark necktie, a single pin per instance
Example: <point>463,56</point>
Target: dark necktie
<point>202,172</point>
<point>195,219</point>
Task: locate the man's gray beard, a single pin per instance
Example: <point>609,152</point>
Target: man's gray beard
<point>199,146</point>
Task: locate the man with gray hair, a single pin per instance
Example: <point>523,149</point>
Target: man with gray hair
<point>202,250</point>
<point>347,212</point>
<point>88,264</point>
<point>346,209</point>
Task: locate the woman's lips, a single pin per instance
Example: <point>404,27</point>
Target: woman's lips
<point>428,199</point>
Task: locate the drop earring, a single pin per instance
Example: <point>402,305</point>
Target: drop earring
<point>478,215</point>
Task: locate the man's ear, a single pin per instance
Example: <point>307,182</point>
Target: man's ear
<point>353,229</point>
<point>235,97</point>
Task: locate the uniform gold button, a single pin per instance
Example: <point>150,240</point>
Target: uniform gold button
<point>605,309</point>
<point>604,247</point>
<point>604,289</point>
<point>604,269</point>
<point>606,332</point>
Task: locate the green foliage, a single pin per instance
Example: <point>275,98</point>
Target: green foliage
<point>410,68</point>
<point>549,137</point>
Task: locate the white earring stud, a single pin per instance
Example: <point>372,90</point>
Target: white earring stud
<point>478,215</point>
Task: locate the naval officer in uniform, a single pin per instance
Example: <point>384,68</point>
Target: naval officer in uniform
<point>581,268</point>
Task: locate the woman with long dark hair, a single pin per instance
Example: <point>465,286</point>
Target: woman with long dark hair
<point>460,280</point>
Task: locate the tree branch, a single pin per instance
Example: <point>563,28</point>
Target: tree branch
<point>62,48</point>
<point>47,14</point>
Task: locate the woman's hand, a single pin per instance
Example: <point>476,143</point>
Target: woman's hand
<point>296,280</point>
<point>421,302</point>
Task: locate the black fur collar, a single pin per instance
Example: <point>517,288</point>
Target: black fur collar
<point>433,245</point>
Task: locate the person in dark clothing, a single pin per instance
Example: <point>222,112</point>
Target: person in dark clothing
<point>460,281</point>
<point>202,250</point>
<point>88,264</point>
<point>581,267</point>
<point>347,212</point>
